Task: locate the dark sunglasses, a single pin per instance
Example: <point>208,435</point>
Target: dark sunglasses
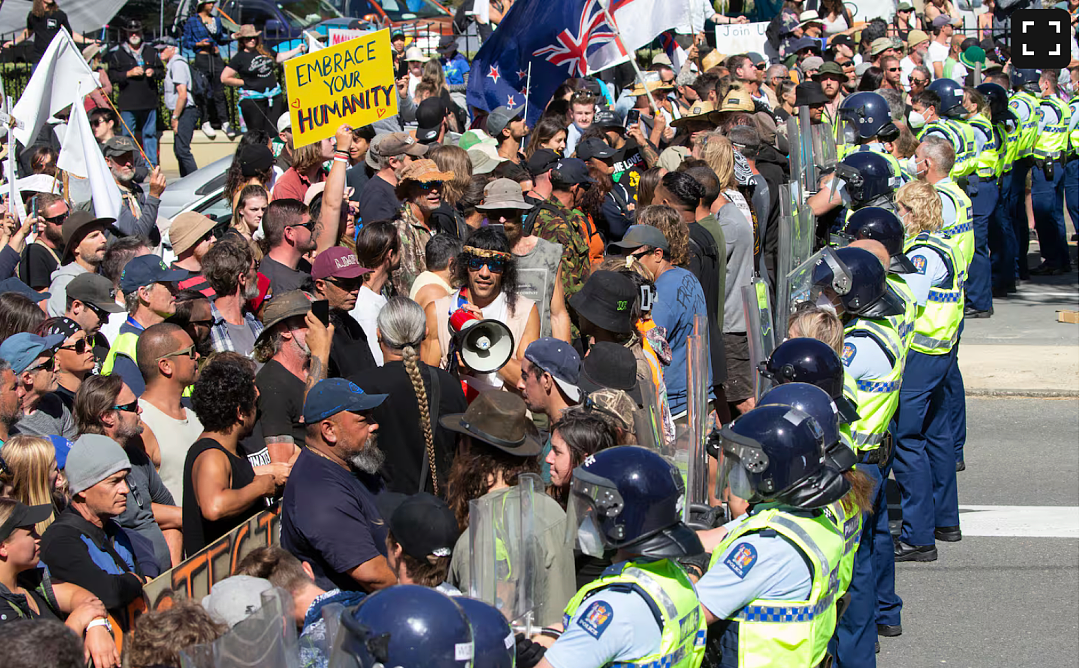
<point>309,226</point>
<point>57,220</point>
<point>48,365</point>
<point>494,265</point>
<point>919,82</point>
<point>133,407</point>
<point>894,69</point>
<point>79,347</point>
<point>346,284</point>
<point>429,185</point>
<point>640,254</point>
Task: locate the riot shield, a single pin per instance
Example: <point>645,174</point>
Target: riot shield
<point>514,542</point>
<point>795,157</point>
<point>825,150</point>
<point>808,177</point>
<point>798,285</point>
<point>759,330</point>
<point>698,414</point>
<point>266,639</point>
<point>796,247</point>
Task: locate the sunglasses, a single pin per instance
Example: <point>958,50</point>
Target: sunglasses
<point>309,226</point>
<point>640,254</point>
<point>494,265</point>
<point>49,365</point>
<point>919,82</point>
<point>348,285</point>
<point>894,69</point>
<point>133,407</point>
<point>79,347</point>
<point>429,185</point>
<point>57,220</point>
<point>188,352</point>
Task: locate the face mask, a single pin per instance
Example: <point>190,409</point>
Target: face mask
<point>826,303</point>
<point>915,168</point>
<point>135,40</point>
<point>916,120</point>
<point>589,538</point>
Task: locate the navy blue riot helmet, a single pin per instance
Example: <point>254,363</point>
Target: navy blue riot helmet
<point>816,403</point>
<point>631,498</point>
<point>869,295</point>
<point>868,178</point>
<point>868,114</point>
<point>806,360</point>
<point>1024,77</point>
<point>882,225</point>
<point>405,625</point>
<point>777,453</point>
<point>952,97</point>
<point>998,98</point>
<point>493,639</point>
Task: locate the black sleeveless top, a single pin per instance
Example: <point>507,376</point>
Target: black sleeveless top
<point>199,531</point>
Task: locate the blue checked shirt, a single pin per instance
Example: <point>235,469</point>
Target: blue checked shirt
<point>220,340</point>
<point>195,31</point>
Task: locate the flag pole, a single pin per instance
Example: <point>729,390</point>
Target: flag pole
<point>528,90</point>
<point>633,59</point>
<point>130,133</point>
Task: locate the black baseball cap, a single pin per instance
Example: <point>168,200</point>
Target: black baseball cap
<point>610,365</point>
<point>24,516</point>
<point>594,147</point>
<point>429,118</point>
<point>606,118</point>
<point>607,301</point>
<point>95,290</point>
<point>542,160</point>
<point>422,524</point>
<point>573,171</point>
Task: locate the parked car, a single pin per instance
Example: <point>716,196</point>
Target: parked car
<point>202,190</point>
<point>283,23</point>
<point>424,21</point>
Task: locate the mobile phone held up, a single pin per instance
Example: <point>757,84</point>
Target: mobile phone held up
<point>321,310</point>
<point>632,118</point>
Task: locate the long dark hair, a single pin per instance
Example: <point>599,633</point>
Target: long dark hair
<point>376,240</point>
<point>585,433</point>
<point>871,79</point>
<point>18,314</point>
<point>491,239</point>
<point>473,470</point>
<point>546,128</point>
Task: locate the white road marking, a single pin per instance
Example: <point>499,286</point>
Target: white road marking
<point>1021,521</point>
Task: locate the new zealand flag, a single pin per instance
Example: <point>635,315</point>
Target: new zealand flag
<point>560,38</point>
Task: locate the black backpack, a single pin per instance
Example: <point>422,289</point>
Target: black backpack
<point>200,83</point>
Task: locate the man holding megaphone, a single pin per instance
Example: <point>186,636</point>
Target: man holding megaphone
<point>486,325</point>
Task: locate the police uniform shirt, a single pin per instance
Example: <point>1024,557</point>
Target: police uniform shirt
<point>1048,116</point>
<point>760,565</point>
<point>608,627</point>
<point>930,272</point>
<point>864,358</point>
<point>948,209</point>
<point>980,138</point>
<point>1020,110</point>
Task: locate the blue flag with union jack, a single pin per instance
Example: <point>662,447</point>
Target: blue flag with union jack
<point>560,38</point>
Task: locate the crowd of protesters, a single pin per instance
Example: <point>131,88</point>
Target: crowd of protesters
<point>162,382</point>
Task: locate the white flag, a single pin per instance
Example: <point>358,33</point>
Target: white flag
<point>313,43</point>
<point>80,156</point>
<point>638,22</point>
<point>61,72</point>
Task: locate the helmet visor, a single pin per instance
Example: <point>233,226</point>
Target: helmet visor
<point>590,503</point>
<point>848,132</point>
<point>830,272</point>
<point>741,456</point>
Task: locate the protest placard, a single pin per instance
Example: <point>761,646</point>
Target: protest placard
<point>741,38</point>
<point>339,35</point>
<point>348,83</point>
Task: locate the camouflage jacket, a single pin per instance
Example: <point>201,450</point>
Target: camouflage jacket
<point>414,237</point>
<point>565,228</point>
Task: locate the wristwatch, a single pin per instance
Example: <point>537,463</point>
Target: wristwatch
<point>100,621</point>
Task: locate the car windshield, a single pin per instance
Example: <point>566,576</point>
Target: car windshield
<point>407,10</point>
<point>306,13</point>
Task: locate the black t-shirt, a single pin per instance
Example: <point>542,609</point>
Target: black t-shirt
<point>281,402</point>
<point>704,265</point>
<point>378,201</point>
<point>44,29</point>
<point>255,69</point>
<point>199,531</point>
<point>37,266</point>
<point>401,436</point>
<point>629,164</point>
<point>356,177</point>
<point>350,352</point>
<point>282,279</point>
<point>780,115</point>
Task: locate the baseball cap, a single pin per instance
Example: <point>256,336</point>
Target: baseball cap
<point>472,138</point>
<point>255,159</point>
<point>422,524</point>
<point>594,147</point>
<point>61,448</point>
<point>943,20</point>
<point>560,360</point>
<point>429,118</point>
<point>284,122</point>
<point>502,117</point>
<point>804,43</point>
<point>607,301</point>
<point>15,285</point>
<point>542,160</point>
<point>20,350</point>
<point>393,144</point>
<point>610,365</point>
<point>606,118</point>
<point>187,229</point>
<point>95,290</point>
<point>24,516</point>
<point>637,236</point>
<point>572,171</point>
<point>905,7</point>
<point>93,458</point>
<point>756,58</point>
<point>335,395</point>
<point>118,145</point>
<point>673,156</point>
<point>503,194</point>
<point>662,59</point>
<point>482,162</point>
<point>235,598</point>
<point>338,262</point>
<point>860,70</point>
<point>146,269</point>
<point>842,39</point>
<point>284,306</point>
<point>812,63</point>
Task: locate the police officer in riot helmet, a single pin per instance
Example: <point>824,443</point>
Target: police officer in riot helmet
<point>493,639</point>
<point>806,360</point>
<point>769,592</point>
<point>816,403</point>
<point>643,609</point>
<point>865,117</point>
<point>952,97</point>
<point>854,282</point>
<point>404,625</point>
<point>884,226</point>
<point>998,98</point>
<point>869,180</point>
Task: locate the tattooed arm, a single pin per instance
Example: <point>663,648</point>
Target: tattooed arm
<point>319,338</point>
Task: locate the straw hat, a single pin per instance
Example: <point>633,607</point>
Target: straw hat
<point>650,86</point>
<point>702,110</point>
<point>247,30</point>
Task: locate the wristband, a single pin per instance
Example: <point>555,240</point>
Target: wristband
<point>341,158</point>
<point>341,152</point>
<point>100,621</point>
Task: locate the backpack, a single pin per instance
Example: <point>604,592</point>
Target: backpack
<point>200,83</point>
<point>530,220</point>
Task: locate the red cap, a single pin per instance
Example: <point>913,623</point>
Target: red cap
<point>337,262</point>
<point>264,293</point>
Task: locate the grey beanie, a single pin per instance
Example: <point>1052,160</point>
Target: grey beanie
<point>93,458</point>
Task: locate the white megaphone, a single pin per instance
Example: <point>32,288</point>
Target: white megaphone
<point>485,345</point>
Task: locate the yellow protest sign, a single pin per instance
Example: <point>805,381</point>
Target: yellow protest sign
<point>349,83</point>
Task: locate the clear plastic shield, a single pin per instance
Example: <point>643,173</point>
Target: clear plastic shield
<point>266,639</point>
<point>808,173</point>
<point>796,164</point>
<point>799,286</point>
<point>698,414</point>
<point>825,150</point>
<point>796,247</point>
<point>512,546</point>
<point>759,330</point>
